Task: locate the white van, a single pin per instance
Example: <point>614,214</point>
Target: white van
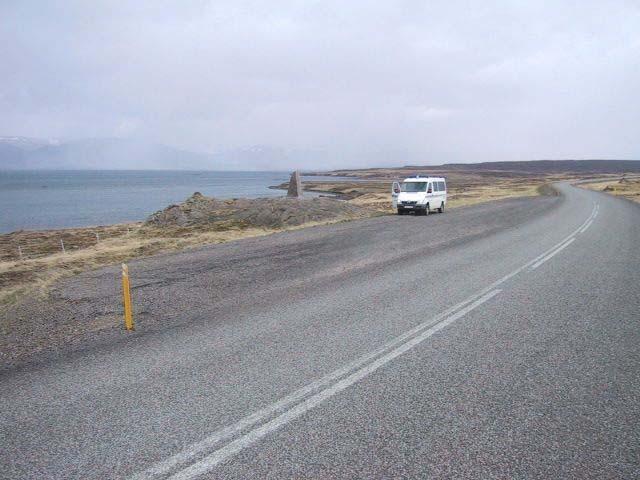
<point>421,195</point>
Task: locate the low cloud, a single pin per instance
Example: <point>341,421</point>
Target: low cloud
<point>351,83</point>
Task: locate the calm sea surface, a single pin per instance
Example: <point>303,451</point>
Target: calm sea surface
<point>59,199</point>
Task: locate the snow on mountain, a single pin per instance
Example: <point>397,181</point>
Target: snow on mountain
<point>27,143</point>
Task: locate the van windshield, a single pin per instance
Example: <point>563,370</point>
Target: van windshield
<point>414,186</point>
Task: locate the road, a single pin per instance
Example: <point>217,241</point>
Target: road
<point>498,341</point>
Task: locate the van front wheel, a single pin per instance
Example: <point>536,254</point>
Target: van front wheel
<point>441,209</point>
<point>427,210</point>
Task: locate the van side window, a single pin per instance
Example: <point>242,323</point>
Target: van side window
<point>442,187</point>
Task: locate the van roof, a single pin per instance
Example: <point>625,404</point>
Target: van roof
<point>418,178</point>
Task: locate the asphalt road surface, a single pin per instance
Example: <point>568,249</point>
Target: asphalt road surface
<point>498,341</point>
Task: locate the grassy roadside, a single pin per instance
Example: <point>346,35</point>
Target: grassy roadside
<point>35,275</point>
<point>625,186</point>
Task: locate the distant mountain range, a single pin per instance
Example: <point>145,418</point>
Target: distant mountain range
<point>117,153</point>
<point>547,166</point>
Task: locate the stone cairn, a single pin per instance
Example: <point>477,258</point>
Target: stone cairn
<point>295,186</point>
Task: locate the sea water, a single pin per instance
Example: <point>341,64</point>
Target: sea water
<point>61,199</point>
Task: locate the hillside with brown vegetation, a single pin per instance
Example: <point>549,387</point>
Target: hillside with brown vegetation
<point>626,187</point>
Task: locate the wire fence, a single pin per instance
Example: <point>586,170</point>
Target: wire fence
<point>27,245</point>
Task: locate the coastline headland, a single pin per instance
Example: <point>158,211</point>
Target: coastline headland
<point>32,261</point>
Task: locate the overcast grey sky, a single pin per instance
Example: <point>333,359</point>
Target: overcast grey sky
<point>365,82</point>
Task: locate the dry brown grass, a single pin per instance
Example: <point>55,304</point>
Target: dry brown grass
<point>627,187</point>
<point>481,194</point>
<point>464,189</point>
<point>457,197</point>
<point>41,243</point>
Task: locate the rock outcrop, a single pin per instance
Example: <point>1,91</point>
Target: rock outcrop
<point>199,210</point>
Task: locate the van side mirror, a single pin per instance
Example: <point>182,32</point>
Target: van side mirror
<point>429,190</point>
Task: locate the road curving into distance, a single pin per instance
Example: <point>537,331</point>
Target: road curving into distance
<point>493,341</point>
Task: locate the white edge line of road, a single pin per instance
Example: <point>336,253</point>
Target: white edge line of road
<point>584,229</point>
<point>570,239</point>
<point>552,254</point>
<point>190,452</point>
<point>209,462</point>
<point>590,220</point>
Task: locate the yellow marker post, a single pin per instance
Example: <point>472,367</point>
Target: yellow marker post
<point>126,298</point>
